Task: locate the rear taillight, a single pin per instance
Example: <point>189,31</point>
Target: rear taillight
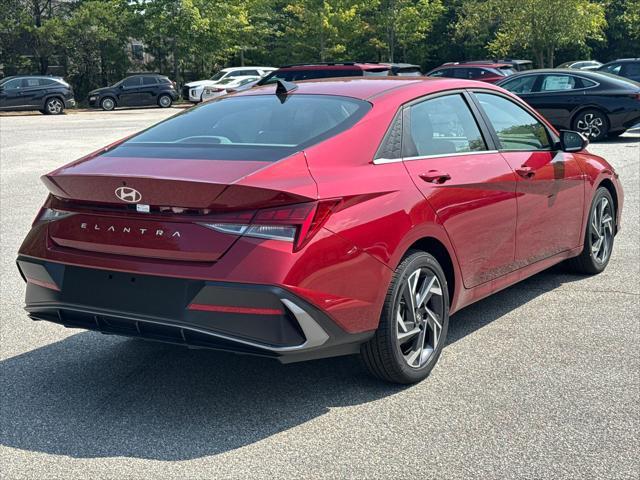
<point>292,223</point>
<point>50,215</point>
<point>636,96</point>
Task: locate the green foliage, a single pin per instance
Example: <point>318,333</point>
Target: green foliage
<point>538,26</point>
<point>89,41</point>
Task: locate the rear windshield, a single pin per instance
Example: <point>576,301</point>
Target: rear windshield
<point>256,127</point>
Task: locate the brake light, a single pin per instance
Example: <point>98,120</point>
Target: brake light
<point>50,215</point>
<point>292,223</point>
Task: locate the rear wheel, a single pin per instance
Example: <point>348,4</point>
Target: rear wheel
<point>414,322</point>
<point>165,101</point>
<point>592,123</point>
<point>599,235</point>
<point>107,103</point>
<point>54,106</point>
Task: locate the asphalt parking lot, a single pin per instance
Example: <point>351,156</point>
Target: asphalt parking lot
<point>540,380</point>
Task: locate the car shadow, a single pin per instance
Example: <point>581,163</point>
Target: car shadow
<point>91,395</point>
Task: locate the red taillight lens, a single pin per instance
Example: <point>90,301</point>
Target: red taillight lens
<point>291,223</point>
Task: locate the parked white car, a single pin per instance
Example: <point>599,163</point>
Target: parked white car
<point>228,85</point>
<point>192,91</point>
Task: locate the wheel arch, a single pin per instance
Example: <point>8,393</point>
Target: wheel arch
<point>582,108</point>
<point>436,248</point>
<point>50,96</point>
<point>608,184</point>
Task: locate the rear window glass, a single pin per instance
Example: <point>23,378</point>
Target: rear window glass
<point>259,127</point>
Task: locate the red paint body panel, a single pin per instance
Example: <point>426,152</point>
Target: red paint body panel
<point>496,227</point>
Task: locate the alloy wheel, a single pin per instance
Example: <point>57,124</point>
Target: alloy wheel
<point>601,230</point>
<point>108,104</point>
<point>591,125</point>
<point>165,101</point>
<point>54,106</point>
<point>419,317</point>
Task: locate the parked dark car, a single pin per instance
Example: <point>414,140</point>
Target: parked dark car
<point>49,95</point>
<point>135,91</point>
<point>482,71</point>
<point>405,70</point>
<point>625,67</point>
<point>596,104</point>
<point>308,71</point>
<point>581,65</point>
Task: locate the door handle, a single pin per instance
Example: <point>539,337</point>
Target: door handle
<point>525,172</point>
<point>434,176</point>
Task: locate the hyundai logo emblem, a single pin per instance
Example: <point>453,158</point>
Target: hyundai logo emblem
<point>127,194</point>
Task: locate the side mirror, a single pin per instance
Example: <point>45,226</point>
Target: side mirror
<point>571,141</point>
<point>121,87</point>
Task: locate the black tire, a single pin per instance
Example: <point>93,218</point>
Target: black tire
<point>588,262</point>
<point>107,104</point>
<point>165,101</point>
<point>592,123</point>
<point>383,355</point>
<point>54,106</point>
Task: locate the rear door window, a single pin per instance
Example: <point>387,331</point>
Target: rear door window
<point>556,83</point>
<point>256,127</point>
<point>149,81</point>
<point>516,128</point>
<point>132,82</point>
<point>521,85</point>
<point>442,126</point>
<point>30,82</point>
<point>631,69</point>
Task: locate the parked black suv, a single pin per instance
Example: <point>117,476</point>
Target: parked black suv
<point>135,91</point>
<point>50,95</point>
<point>624,67</point>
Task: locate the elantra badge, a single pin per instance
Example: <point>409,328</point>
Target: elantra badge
<point>128,194</point>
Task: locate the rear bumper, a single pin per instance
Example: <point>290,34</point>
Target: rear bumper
<point>252,319</point>
<point>70,103</point>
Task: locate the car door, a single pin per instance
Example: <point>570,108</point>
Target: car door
<point>130,91</point>
<point>149,91</point>
<point>10,94</point>
<point>31,93</point>
<point>556,96</point>
<point>550,183</point>
<point>465,180</point>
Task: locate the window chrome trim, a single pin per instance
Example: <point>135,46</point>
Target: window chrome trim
<point>545,92</point>
<point>382,161</point>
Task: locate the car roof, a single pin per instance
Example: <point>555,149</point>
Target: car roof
<point>623,60</point>
<point>475,64</point>
<point>335,66</point>
<point>369,88</point>
<point>248,67</point>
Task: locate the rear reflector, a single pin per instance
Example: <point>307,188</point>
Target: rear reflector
<point>41,283</point>
<point>231,309</point>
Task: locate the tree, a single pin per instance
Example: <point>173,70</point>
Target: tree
<point>539,26</point>
<point>95,39</point>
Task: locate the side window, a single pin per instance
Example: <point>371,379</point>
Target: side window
<point>460,73</point>
<point>131,82</point>
<point>441,126</point>
<point>587,83</point>
<point>12,84</point>
<point>440,73</point>
<point>30,82</point>
<point>554,83</point>
<point>391,146</point>
<point>516,128</point>
<point>521,84</point>
<point>149,81</point>
<point>631,69</point>
<point>613,68</point>
<point>46,81</point>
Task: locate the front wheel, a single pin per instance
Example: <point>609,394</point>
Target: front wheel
<point>54,106</point>
<point>165,101</point>
<point>107,104</point>
<point>598,237</point>
<point>414,322</point>
<point>593,124</point>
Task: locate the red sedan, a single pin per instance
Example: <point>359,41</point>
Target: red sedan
<point>319,219</point>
